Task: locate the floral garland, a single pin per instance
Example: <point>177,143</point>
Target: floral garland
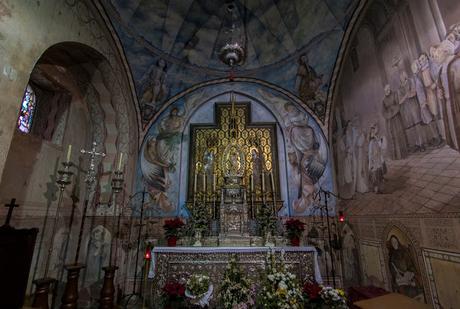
<point>236,291</point>
<point>279,287</point>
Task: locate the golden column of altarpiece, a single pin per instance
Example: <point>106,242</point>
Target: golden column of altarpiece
<point>234,161</point>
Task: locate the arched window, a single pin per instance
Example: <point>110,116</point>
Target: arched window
<point>26,113</point>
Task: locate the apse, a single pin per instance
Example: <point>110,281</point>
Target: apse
<point>229,154</point>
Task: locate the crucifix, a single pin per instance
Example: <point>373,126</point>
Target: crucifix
<point>10,206</point>
<point>70,297</point>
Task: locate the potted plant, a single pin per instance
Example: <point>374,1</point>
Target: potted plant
<point>172,229</point>
<point>173,293</point>
<point>199,290</point>
<point>294,229</point>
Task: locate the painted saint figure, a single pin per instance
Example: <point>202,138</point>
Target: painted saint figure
<point>392,115</point>
<point>377,166</point>
<point>154,90</point>
<point>403,271</point>
<point>160,153</point>
<point>410,112</point>
<point>308,81</point>
<point>305,157</point>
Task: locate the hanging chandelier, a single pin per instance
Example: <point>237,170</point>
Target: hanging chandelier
<point>233,52</point>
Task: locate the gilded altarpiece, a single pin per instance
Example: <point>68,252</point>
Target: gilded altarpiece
<point>254,139</point>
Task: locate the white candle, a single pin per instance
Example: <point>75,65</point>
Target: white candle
<point>263,181</point>
<point>195,180</point>
<point>204,182</point>
<point>69,152</point>
<point>120,161</point>
<point>252,183</point>
<point>214,183</point>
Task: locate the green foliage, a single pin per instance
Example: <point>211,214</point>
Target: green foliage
<point>266,220</point>
<point>236,290</point>
<point>279,287</point>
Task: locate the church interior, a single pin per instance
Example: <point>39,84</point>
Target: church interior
<point>230,154</point>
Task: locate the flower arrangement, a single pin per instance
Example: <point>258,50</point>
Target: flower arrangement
<point>294,228</point>
<point>279,287</point>
<point>199,290</point>
<point>318,296</point>
<point>173,293</point>
<point>266,220</point>
<point>236,291</point>
<point>172,229</point>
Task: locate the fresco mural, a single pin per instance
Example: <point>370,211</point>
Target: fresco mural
<point>397,107</point>
<point>404,275</point>
<point>302,148</point>
<point>173,45</point>
<point>350,258</point>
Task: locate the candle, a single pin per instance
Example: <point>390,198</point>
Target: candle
<point>272,182</point>
<point>195,180</point>
<point>252,183</point>
<point>214,183</point>
<point>263,181</point>
<point>120,161</point>
<point>204,182</point>
<point>69,152</point>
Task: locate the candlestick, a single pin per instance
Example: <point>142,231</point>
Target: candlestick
<point>69,152</point>
<point>273,193</point>
<point>272,182</point>
<point>120,161</point>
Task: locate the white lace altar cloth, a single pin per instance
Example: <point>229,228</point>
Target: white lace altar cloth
<point>180,262</point>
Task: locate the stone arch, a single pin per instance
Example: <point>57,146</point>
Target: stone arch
<point>100,109</point>
<point>275,100</point>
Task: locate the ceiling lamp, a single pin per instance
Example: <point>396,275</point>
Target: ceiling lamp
<point>233,51</point>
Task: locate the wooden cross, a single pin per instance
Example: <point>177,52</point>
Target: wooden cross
<point>11,206</point>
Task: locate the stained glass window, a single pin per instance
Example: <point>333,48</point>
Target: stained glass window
<point>26,112</point>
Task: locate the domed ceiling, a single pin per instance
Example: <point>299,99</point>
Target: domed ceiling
<point>188,34</point>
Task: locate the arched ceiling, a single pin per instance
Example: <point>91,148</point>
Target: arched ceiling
<point>188,34</point>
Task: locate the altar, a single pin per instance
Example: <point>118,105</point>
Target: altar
<point>176,263</point>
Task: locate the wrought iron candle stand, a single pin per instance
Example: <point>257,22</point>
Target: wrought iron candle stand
<point>70,296</point>
<point>42,288</point>
<point>108,287</point>
<point>325,195</point>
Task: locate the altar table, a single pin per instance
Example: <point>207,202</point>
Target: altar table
<point>175,263</point>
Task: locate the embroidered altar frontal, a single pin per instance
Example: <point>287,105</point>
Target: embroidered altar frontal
<point>175,263</point>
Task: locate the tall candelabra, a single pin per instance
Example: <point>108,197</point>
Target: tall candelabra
<point>43,284</point>
<point>70,296</point>
<point>324,195</point>
<point>108,288</point>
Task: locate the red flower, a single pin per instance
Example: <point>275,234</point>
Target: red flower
<point>175,223</point>
<point>312,290</point>
<point>174,289</point>
<point>172,226</point>
<point>294,227</point>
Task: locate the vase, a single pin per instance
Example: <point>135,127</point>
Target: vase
<point>172,240</point>
<point>295,241</point>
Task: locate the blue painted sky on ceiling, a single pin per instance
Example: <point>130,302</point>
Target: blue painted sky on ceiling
<point>171,45</point>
